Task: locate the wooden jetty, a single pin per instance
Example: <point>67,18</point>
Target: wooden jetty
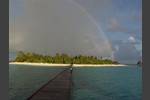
<point>59,88</point>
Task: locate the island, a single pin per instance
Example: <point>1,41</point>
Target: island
<point>61,60</point>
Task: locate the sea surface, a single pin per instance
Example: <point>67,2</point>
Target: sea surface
<point>109,83</point>
<point>103,83</point>
<point>25,80</point>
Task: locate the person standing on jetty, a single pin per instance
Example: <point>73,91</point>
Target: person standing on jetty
<point>71,67</point>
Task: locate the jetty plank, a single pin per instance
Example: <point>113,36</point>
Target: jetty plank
<point>58,88</point>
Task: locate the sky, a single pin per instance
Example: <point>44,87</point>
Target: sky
<point>108,28</point>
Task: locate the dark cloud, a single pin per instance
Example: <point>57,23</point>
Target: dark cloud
<point>115,26</point>
<point>126,52</point>
<point>136,17</point>
<point>115,22</point>
<point>51,26</point>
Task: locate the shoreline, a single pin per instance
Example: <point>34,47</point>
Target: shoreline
<point>65,65</point>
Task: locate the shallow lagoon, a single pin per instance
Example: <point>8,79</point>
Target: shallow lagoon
<point>110,83</point>
<point>119,83</point>
<point>24,80</point>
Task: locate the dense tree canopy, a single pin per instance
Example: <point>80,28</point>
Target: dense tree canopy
<point>61,58</point>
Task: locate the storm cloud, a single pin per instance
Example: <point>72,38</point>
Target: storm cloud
<point>127,54</point>
<point>51,26</point>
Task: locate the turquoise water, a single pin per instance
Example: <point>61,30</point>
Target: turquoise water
<point>24,80</point>
<point>121,83</point>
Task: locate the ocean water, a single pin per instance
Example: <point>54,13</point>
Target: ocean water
<point>24,80</point>
<point>119,83</point>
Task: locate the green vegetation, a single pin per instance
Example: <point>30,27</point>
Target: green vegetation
<point>61,59</point>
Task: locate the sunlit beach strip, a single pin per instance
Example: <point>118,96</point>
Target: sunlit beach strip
<point>98,65</point>
<point>37,64</point>
<point>74,65</point>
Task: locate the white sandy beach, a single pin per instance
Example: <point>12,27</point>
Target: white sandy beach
<point>98,65</point>
<point>74,65</point>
